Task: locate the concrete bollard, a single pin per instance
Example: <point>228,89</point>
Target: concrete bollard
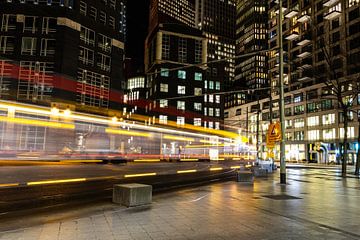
<point>245,176</point>
<point>132,194</point>
<point>260,172</point>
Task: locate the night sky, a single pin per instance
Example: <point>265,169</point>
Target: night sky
<point>137,24</point>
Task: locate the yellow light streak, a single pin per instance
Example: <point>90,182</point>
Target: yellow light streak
<point>186,171</point>
<point>140,175</point>
<point>185,139</point>
<point>216,169</point>
<point>248,166</point>
<point>236,159</point>
<point>218,159</point>
<point>147,160</point>
<point>126,132</point>
<point>235,167</point>
<point>9,185</point>
<point>57,181</point>
<point>189,160</point>
<point>37,122</point>
<point>204,146</point>
<point>81,161</point>
<point>210,142</point>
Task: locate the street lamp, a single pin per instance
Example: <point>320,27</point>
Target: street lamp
<point>281,100</point>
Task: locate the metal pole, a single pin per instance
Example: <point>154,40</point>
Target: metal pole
<point>258,130</point>
<point>282,103</point>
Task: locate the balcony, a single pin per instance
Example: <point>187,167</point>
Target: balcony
<point>303,42</point>
<point>304,79</point>
<point>291,13</point>
<point>284,9</point>
<point>332,14</point>
<point>304,54</point>
<point>304,18</point>
<point>329,3</point>
<point>304,67</point>
<point>293,35</point>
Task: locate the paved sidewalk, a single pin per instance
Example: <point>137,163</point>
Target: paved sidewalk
<point>316,204</point>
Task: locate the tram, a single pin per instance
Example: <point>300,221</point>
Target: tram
<point>44,133</point>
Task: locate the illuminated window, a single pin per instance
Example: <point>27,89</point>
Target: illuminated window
<point>197,106</point>
<point>299,123</point>
<point>329,133</point>
<point>314,135</point>
<point>163,103</point>
<point>217,125</point>
<point>198,76</point>
<point>211,85</point>
<point>181,105</point>
<point>164,87</point>
<point>211,112</point>
<point>197,122</point>
<point>197,91</point>
<point>180,121</point>
<point>217,112</point>
<point>350,133</point>
<point>211,98</point>
<point>217,98</point>
<point>164,72</point>
<point>181,89</point>
<point>182,74</point>
<point>163,119</point>
<point>313,121</point>
<point>328,119</point>
<point>217,85</point>
<point>299,136</point>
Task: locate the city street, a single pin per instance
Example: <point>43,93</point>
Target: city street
<point>315,204</point>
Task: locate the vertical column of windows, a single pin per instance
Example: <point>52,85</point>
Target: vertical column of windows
<point>165,47</point>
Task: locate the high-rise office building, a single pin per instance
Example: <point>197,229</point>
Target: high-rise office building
<point>178,95</point>
<point>171,11</point>
<point>217,19</point>
<point>309,27</point>
<point>63,51</point>
<point>251,36</point>
<point>184,41</point>
<point>321,40</point>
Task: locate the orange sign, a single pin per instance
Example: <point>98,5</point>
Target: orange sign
<point>273,134</point>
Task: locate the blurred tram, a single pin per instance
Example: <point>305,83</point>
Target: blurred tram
<point>41,133</point>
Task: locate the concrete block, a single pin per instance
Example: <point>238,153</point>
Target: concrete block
<point>132,194</point>
<point>259,172</point>
<point>245,176</point>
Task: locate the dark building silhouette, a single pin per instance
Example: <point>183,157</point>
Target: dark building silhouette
<point>63,51</point>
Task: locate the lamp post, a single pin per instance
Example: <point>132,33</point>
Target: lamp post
<point>281,102</point>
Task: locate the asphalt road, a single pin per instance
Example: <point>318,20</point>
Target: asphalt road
<point>29,187</point>
<point>10,175</point>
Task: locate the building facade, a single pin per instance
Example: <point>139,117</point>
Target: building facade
<point>251,36</point>
<point>217,19</point>
<point>63,52</point>
<point>319,37</point>
<point>314,125</point>
<point>178,90</point>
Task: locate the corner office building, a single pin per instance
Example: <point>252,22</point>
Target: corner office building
<point>182,95</point>
<point>64,51</point>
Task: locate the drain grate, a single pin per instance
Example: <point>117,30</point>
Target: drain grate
<point>281,197</point>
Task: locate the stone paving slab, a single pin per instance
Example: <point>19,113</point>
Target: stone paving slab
<point>320,209</point>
